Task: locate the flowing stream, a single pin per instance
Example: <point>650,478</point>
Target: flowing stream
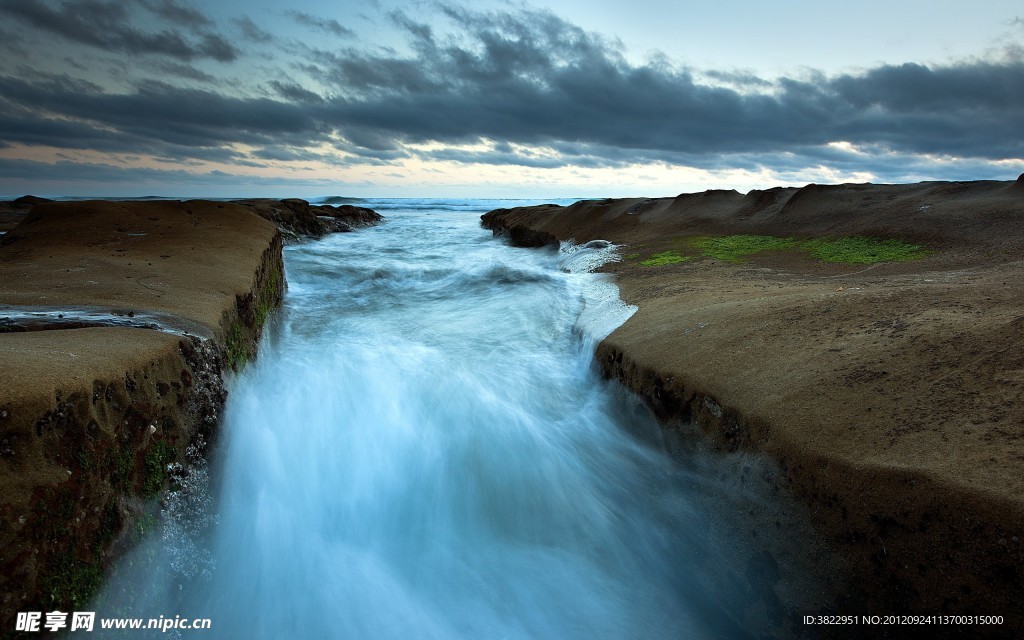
<point>424,449</point>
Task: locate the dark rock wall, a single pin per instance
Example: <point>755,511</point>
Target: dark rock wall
<point>910,545</point>
<point>93,459</point>
<point>89,461</point>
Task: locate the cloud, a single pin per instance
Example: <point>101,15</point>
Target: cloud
<point>252,31</point>
<point>68,171</point>
<point>12,43</point>
<point>506,157</point>
<point>739,79</point>
<point>108,25</point>
<point>87,178</point>
<point>178,13</point>
<point>183,71</point>
<point>297,154</point>
<point>326,24</point>
<point>294,93</point>
<point>164,114</point>
<point>511,88</point>
<point>531,77</point>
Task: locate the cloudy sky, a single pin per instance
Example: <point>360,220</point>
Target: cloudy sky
<point>503,99</point>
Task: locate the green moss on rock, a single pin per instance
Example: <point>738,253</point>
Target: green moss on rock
<point>860,250</point>
<point>664,258</point>
<point>732,248</point>
<point>155,464</point>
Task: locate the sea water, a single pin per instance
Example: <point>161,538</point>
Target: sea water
<point>424,449</point>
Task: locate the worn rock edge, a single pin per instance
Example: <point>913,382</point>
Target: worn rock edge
<point>94,454</point>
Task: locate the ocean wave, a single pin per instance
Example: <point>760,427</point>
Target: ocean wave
<point>588,257</point>
<point>603,309</point>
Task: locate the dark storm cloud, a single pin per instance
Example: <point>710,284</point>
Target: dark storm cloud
<point>66,170</point>
<point>281,154</point>
<point>28,129</point>
<point>183,71</point>
<point>178,13</point>
<point>511,158</point>
<point>109,25</point>
<point>966,110</point>
<point>744,79</point>
<point>12,43</point>
<point>297,154</point>
<point>531,77</point>
<point>91,175</point>
<point>166,114</point>
<point>294,92</point>
<point>524,77</point>
<point>252,31</point>
<point>328,25</point>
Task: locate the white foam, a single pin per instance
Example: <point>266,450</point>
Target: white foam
<point>586,258</point>
<point>603,309</point>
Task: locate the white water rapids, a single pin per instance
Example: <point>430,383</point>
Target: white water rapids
<point>424,449</point>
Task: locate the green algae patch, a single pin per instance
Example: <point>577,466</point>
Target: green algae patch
<point>237,346</point>
<point>858,250</point>
<point>155,467</point>
<point>270,296</point>
<point>664,258</point>
<point>733,248</point>
<point>72,582</point>
<point>849,250</point>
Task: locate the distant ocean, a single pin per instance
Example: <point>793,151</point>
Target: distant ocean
<point>381,203</point>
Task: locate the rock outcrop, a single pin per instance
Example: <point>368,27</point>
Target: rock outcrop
<point>91,417</point>
<point>297,218</point>
<point>29,201</point>
<point>889,393</point>
<point>13,211</point>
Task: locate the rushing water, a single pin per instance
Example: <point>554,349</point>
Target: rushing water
<point>424,449</point>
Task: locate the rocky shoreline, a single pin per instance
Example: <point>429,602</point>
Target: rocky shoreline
<point>92,412</point>
<point>888,392</point>
<point>298,219</point>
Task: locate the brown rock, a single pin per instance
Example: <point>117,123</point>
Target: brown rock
<point>298,218</point>
<point>890,393</point>
<point>30,201</point>
<point>90,417</point>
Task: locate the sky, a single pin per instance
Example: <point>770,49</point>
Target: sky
<point>572,98</point>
